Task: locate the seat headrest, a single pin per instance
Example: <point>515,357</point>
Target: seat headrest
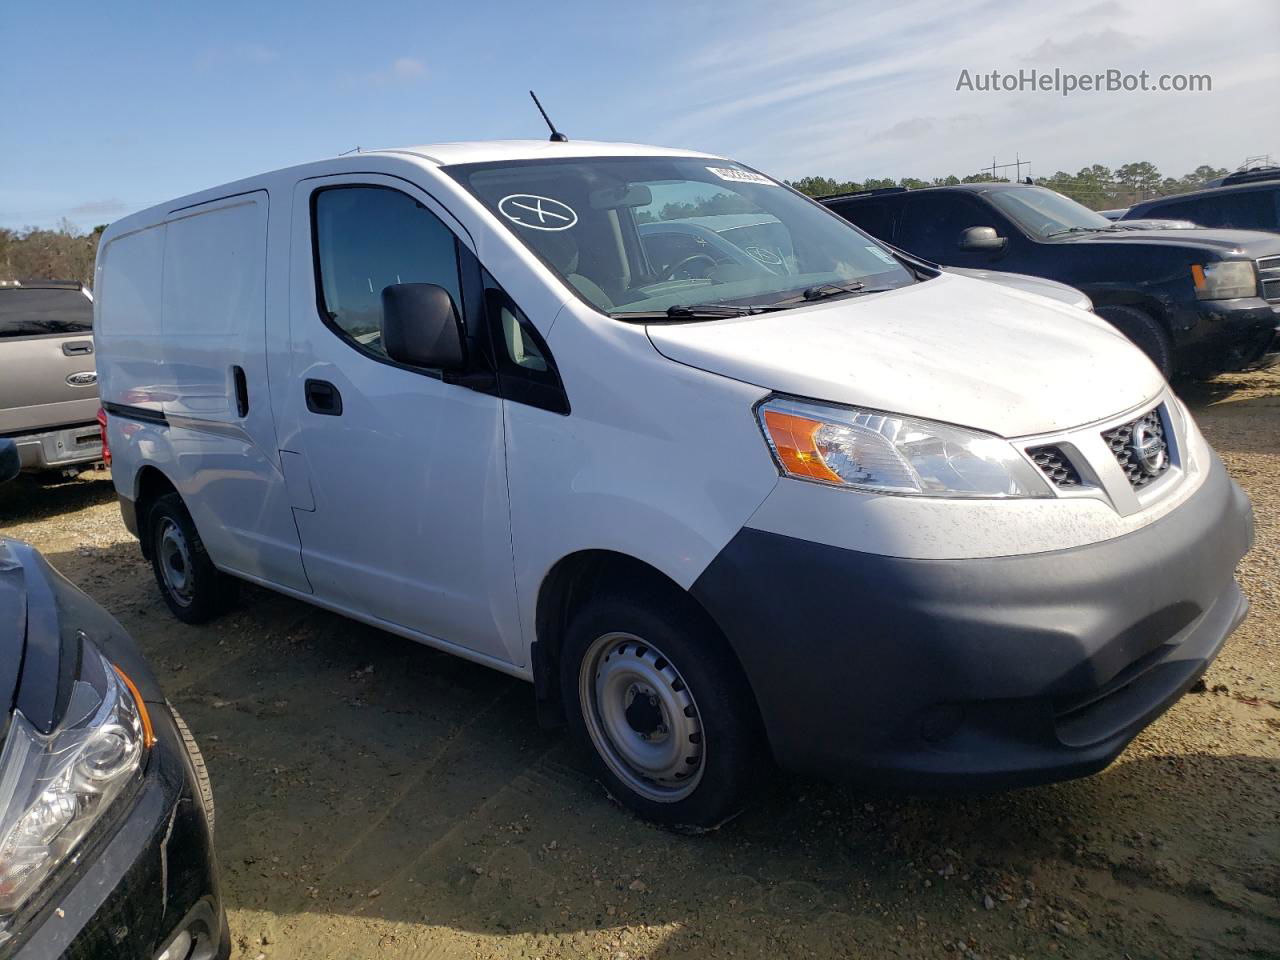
<point>561,249</point>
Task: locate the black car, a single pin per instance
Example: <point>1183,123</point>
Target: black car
<point>1197,301</point>
<point>1244,203</point>
<point>106,817</point>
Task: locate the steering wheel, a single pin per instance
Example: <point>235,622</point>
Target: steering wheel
<point>683,264</point>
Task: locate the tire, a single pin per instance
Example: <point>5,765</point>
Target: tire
<point>661,711</point>
<point>191,585</point>
<point>1145,331</point>
<point>204,787</point>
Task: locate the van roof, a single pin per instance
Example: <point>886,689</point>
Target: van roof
<point>496,151</point>
<point>436,154</point>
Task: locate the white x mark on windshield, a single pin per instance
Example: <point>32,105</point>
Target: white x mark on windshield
<point>537,208</point>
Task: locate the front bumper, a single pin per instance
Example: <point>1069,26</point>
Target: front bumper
<point>1224,335</point>
<point>982,672</point>
<point>149,879</point>
<point>60,449</point>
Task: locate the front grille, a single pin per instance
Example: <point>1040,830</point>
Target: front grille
<point>1269,276</point>
<point>1148,465</point>
<point>1055,465</point>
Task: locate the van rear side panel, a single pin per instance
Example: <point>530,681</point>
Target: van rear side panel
<point>127,318</point>
<point>203,367</point>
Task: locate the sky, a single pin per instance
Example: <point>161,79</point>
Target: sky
<point>110,107</point>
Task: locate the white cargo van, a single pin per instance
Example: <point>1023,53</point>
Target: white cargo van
<point>725,478</point>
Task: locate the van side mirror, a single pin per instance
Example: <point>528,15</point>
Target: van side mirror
<point>421,327</point>
<point>978,239</point>
<point>10,462</point>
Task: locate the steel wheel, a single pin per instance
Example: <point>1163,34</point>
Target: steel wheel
<point>641,717</point>
<point>175,562</point>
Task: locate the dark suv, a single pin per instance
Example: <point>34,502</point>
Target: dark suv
<point>1249,200</point>
<point>1196,301</point>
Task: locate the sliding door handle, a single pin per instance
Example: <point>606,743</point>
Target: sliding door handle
<point>323,398</point>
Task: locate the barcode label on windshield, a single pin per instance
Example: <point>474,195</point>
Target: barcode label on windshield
<point>734,175</point>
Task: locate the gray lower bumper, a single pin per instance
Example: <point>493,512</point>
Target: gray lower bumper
<point>58,449</point>
<point>995,672</point>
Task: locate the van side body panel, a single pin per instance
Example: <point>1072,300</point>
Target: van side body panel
<point>184,310</point>
<point>657,461</point>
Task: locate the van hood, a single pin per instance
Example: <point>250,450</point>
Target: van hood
<point>951,348</point>
<point>1028,284</point>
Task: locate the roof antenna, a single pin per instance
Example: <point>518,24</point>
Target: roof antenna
<point>556,135</point>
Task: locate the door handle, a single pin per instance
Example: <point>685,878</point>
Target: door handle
<point>323,398</point>
<point>242,391</point>
<point>77,348</point>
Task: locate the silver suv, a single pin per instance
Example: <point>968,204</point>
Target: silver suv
<point>48,385</point>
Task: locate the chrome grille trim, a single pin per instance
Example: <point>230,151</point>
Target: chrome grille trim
<point>1125,443</point>
<point>1269,278</point>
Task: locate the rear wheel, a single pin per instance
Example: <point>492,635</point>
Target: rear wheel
<point>1145,331</point>
<point>661,710</point>
<point>191,585</point>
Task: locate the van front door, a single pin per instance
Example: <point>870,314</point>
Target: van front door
<point>402,512</point>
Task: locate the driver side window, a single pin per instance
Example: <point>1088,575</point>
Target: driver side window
<point>367,238</point>
<point>931,225</point>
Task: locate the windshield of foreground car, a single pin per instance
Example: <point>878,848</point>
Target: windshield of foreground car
<point>1045,213</point>
<point>641,235</point>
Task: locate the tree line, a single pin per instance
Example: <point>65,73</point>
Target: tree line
<point>64,253</point>
<point>1096,186</point>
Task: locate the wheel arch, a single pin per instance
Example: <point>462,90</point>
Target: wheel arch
<point>149,485</point>
<point>573,579</point>
<point>1149,302</point>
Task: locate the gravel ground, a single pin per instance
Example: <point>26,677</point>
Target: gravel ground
<point>378,799</point>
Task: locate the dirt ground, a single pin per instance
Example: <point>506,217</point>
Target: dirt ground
<point>379,799</point>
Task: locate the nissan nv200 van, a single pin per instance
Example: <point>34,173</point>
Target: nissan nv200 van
<point>803,501</point>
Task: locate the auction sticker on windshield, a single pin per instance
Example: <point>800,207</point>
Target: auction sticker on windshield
<point>882,254</point>
<point>734,175</point>
<point>537,213</point>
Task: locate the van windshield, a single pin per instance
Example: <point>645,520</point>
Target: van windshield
<point>643,235</point>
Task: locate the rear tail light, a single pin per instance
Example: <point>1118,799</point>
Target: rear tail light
<point>102,430</point>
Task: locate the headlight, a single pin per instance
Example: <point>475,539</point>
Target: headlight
<point>54,788</point>
<point>1225,280</point>
<point>887,453</point>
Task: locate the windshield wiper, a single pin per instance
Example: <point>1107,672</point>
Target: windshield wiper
<point>1058,233</point>
<point>680,311</point>
<point>694,311</point>
<point>825,291</point>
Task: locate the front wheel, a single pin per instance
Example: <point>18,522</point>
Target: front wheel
<point>660,708</point>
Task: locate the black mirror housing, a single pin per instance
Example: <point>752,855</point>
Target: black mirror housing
<point>10,462</point>
<point>981,239</point>
<point>421,327</point>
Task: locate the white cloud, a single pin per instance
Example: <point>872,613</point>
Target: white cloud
<point>407,68</point>
<point>99,208</point>
<point>854,90</point>
<point>402,70</point>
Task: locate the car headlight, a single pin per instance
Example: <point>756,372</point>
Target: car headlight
<point>887,453</point>
<point>54,788</point>
<point>1225,280</point>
